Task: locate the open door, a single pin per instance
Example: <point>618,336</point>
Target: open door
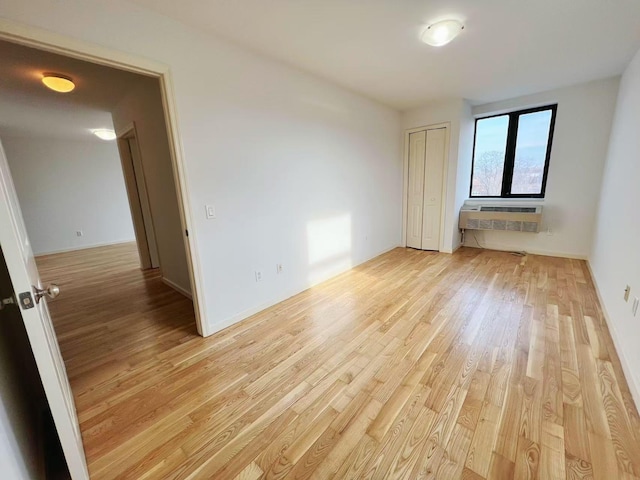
<point>138,196</point>
<point>31,297</point>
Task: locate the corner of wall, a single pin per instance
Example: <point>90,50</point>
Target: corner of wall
<point>614,259</point>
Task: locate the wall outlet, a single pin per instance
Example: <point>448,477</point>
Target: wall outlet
<point>549,231</point>
<point>627,291</point>
<point>279,268</point>
<point>79,233</point>
<point>258,276</point>
<point>634,308</point>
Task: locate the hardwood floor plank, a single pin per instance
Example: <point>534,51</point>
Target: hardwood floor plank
<point>250,472</point>
<point>501,468</point>
<point>527,460</point>
<point>576,438</point>
<point>578,469</point>
<point>484,439</point>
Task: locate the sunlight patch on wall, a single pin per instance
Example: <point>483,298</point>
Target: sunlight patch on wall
<point>329,246</point>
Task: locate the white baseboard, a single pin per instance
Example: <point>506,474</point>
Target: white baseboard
<point>281,298</point>
<point>626,366</point>
<point>177,287</point>
<point>535,251</point>
<point>83,247</point>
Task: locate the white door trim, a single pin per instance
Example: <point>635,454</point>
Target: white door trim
<point>445,175</point>
<point>53,42</point>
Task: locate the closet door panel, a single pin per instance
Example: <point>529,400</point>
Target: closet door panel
<point>432,198</point>
<point>415,200</point>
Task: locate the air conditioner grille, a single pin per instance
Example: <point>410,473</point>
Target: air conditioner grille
<point>509,209</point>
<point>499,225</point>
<point>502,218</point>
<point>514,226</point>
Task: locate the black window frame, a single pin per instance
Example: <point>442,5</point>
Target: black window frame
<point>510,152</point>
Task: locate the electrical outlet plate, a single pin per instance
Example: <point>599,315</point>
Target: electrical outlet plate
<point>627,291</point>
<point>279,268</point>
<point>79,233</point>
<point>258,276</point>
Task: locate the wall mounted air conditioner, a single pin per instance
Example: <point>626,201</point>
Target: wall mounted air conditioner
<point>509,218</point>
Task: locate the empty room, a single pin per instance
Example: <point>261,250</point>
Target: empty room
<point>322,239</point>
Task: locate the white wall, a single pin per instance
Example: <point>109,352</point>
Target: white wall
<point>615,257</point>
<point>67,185</point>
<point>301,172</point>
<point>465,158</point>
<point>580,141</point>
<point>143,105</point>
<point>456,112</point>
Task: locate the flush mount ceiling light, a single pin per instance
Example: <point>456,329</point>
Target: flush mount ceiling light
<point>441,33</point>
<point>104,133</point>
<point>58,83</point>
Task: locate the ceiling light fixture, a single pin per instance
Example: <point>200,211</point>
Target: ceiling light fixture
<point>441,33</point>
<point>104,133</point>
<point>58,83</point>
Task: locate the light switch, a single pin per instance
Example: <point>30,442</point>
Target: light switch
<point>211,211</point>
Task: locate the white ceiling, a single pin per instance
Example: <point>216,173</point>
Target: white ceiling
<point>508,48</point>
<point>28,108</point>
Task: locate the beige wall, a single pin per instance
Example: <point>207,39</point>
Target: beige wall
<point>143,106</point>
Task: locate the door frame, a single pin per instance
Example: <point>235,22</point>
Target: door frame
<point>52,42</point>
<point>143,227</point>
<point>445,176</point>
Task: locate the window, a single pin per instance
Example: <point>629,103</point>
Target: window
<point>511,153</point>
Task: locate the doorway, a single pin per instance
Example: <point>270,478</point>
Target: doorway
<point>145,299</point>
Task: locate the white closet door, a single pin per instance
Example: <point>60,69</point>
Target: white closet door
<point>415,200</point>
<point>433,174</point>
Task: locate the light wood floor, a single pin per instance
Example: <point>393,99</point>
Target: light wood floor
<point>415,365</point>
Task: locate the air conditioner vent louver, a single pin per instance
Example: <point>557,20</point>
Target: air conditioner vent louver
<point>484,208</point>
<point>505,218</point>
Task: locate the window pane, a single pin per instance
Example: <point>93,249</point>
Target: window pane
<point>488,159</point>
<point>531,152</point>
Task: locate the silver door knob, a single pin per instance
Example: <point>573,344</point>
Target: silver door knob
<point>52,291</point>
